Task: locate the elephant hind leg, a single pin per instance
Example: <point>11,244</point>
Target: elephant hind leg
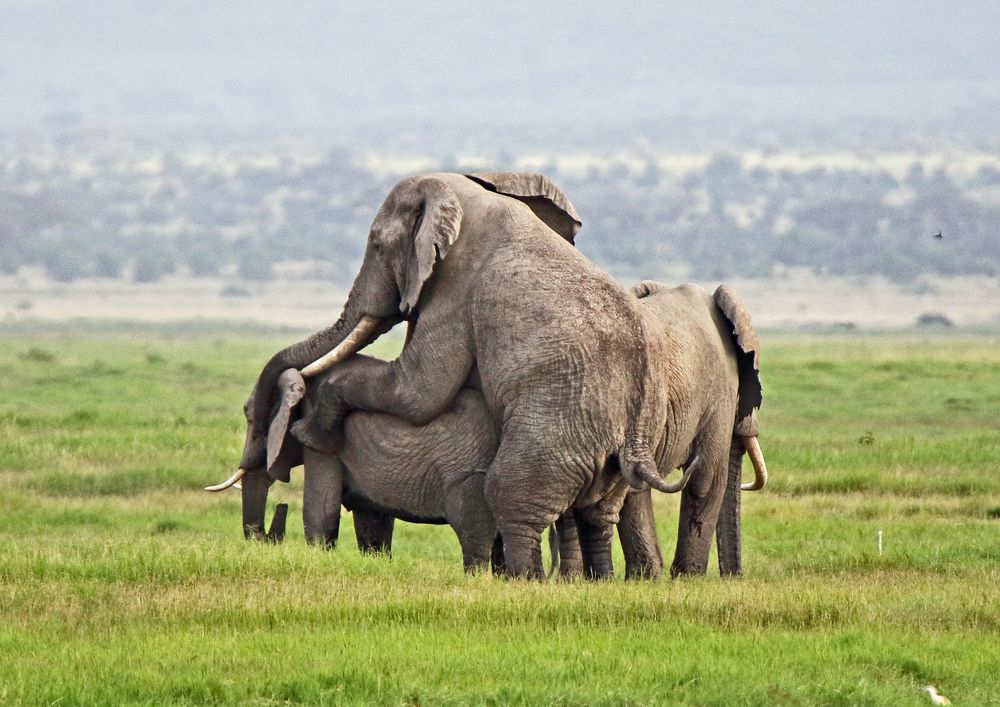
<point>522,551</point>
<point>373,530</point>
<point>570,554</point>
<point>637,534</point>
<point>526,498</point>
<point>595,546</point>
<point>701,501</point>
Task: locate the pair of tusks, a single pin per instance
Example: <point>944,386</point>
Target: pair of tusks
<point>342,351</point>
<point>753,451</point>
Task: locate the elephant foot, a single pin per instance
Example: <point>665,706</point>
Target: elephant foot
<point>523,555</point>
<point>316,436</point>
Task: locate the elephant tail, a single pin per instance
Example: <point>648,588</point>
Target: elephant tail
<point>639,469</point>
<point>553,550</point>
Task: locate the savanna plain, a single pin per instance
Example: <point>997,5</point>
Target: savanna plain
<point>122,582</point>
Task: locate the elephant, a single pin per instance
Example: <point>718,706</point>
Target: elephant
<point>388,469</point>
<point>483,269</point>
<point>714,365</point>
<point>712,357</point>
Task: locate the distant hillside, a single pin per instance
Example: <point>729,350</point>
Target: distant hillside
<point>92,206</point>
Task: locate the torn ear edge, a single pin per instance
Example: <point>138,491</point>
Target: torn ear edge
<point>548,202</point>
<point>747,355</point>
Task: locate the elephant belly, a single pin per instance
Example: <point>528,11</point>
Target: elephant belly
<point>356,501</point>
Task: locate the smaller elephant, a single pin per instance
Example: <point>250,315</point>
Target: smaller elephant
<point>386,469</point>
<point>711,356</point>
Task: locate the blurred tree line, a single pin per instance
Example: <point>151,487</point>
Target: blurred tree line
<point>143,214</point>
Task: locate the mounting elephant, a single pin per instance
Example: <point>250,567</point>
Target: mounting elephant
<point>387,469</point>
<point>712,363</point>
<point>483,268</point>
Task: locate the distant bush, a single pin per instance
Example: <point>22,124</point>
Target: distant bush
<point>152,265</point>
<point>232,290</point>
<point>38,355</point>
<point>934,319</point>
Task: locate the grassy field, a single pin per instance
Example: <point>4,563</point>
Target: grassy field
<point>121,582</point>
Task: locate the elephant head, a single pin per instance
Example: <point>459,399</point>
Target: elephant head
<point>415,229</point>
<point>282,454</point>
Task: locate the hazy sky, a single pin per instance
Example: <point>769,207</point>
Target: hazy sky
<point>335,65</point>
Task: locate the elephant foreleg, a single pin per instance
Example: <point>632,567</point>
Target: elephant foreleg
<point>321,497</point>
<point>470,516</point>
<point>727,533</point>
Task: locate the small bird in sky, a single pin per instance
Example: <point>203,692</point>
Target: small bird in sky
<point>938,235</point>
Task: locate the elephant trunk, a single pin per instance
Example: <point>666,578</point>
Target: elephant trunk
<point>256,484</point>
<point>727,531</point>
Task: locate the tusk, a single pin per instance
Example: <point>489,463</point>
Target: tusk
<point>240,473</point>
<point>238,486</point>
<point>759,468</point>
<point>345,349</point>
<point>657,482</point>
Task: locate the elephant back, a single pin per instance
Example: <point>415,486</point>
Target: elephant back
<point>747,357</point>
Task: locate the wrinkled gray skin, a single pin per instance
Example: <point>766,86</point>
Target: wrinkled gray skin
<point>562,353</point>
<point>388,469</point>
<point>711,357</point>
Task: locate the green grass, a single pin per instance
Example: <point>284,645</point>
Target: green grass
<point>121,582</point>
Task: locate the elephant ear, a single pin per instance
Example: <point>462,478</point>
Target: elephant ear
<point>280,457</point>
<point>540,193</point>
<point>437,227</point>
<point>747,357</point>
